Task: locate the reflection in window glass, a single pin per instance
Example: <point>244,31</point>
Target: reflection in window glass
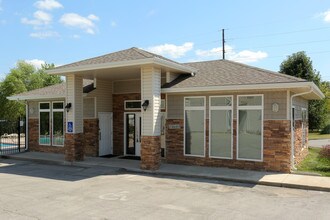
<point>194,132</point>
<point>58,128</point>
<point>221,101</point>
<point>44,132</point>
<point>221,133</point>
<point>250,101</point>
<point>194,102</point>
<point>249,134</point>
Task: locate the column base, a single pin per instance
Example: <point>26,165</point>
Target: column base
<point>150,152</point>
<point>74,147</point>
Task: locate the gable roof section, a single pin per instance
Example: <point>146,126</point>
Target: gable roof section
<point>123,58</point>
<point>228,73</point>
<point>50,92</point>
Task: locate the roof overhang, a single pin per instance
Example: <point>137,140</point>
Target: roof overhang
<point>296,87</point>
<point>167,65</point>
<point>35,97</point>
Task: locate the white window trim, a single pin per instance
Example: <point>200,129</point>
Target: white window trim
<point>232,119</point>
<point>164,106</point>
<point>52,122</point>
<point>49,111</point>
<point>254,107</point>
<point>131,109</point>
<point>184,123</point>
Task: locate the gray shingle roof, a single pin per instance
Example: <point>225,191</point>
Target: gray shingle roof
<point>57,90</point>
<point>224,73</point>
<point>123,55</point>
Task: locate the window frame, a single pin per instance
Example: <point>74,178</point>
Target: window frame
<point>50,123</point>
<point>251,107</point>
<point>132,109</point>
<point>304,121</point>
<point>184,123</point>
<point>231,123</point>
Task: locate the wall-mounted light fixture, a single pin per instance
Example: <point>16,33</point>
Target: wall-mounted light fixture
<point>145,105</point>
<point>68,106</point>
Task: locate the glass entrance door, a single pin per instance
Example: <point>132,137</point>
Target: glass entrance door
<point>133,133</point>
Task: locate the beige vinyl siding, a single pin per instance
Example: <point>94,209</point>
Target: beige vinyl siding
<point>130,86</point>
<point>127,86</point>
<point>103,94</point>
<point>89,107</point>
<point>299,103</point>
<point>151,83</point>
<point>175,104</point>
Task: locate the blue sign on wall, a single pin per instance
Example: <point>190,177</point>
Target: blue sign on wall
<point>70,126</point>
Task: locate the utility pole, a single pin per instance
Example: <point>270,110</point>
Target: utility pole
<point>223,44</point>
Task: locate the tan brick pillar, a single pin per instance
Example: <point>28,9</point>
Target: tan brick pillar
<point>74,137</point>
<point>150,141</point>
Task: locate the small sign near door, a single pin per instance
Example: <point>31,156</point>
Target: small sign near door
<point>70,127</point>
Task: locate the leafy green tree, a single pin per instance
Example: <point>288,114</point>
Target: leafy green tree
<point>24,77</point>
<point>300,65</point>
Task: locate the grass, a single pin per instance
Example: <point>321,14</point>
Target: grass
<point>317,136</point>
<point>315,164</point>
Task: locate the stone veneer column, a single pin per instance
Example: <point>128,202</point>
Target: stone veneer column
<point>74,138</point>
<point>150,140</point>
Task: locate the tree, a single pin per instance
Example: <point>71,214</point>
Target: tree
<point>300,65</point>
<point>24,77</point>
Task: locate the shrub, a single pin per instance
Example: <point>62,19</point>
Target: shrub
<point>325,152</point>
<point>326,129</point>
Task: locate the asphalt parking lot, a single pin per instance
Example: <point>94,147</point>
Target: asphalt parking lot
<point>37,191</point>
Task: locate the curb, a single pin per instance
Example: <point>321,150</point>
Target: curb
<point>165,173</point>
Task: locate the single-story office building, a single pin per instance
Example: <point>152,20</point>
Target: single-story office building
<point>212,113</point>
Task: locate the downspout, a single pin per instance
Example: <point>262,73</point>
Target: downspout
<point>26,125</point>
<point>293,167</point>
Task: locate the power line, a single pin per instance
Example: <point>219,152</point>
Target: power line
<point>280,33</point>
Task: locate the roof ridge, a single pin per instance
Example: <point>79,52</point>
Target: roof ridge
<point>252,67</point>
<point>266,71</point>
<point>92,58</point>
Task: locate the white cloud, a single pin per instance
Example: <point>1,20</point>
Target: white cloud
<point>93,17</point>
<point>76,36</point>
<point>247,56</point>
<point>36,63</point>
<point>113,24</point>
<point>326,16</point>
<point>40,18</point>
<point>171,50</point>
<point>48,4</point>
<point>244,56</point>
<point>45,34</point>
<point>77,21</point>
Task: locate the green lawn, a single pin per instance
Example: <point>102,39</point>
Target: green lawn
<point>316,136</point>
<point>313,163</point>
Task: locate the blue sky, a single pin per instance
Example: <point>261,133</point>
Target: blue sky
<point>258,33</point>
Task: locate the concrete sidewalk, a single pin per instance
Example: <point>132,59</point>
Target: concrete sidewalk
<point>236,175</point>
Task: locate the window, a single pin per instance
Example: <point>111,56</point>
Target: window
<point>132,104</point>
<point>221,130</point>
<point>58,124</point>
<point>194,126</point>
<point>250,127</point>
<point>44,123</point>
<point>304,125</point>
